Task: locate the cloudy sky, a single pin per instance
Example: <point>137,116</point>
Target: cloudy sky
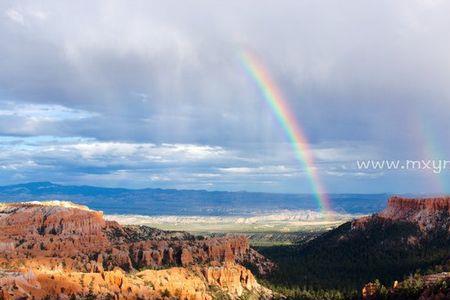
<point>153,94</point>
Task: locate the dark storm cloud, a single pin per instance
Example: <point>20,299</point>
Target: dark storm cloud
<point>364,78</point>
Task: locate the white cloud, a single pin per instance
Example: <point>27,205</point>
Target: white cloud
<point>355,174</point>
<point>18,165</point>
<point>42,112</point>
<point>159,178</point>
<point>345,153</point>
<point>145,152</point>
<point>277,169</point>
<point>39,14</point>
<point>88,152</point>
<point>21,15</point>
<point>15,16</point>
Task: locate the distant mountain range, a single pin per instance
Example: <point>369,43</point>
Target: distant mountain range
<point>150,201</point>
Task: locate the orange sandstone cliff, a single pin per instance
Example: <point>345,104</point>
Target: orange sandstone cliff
<point>427,213</point>
<point>60,250</point>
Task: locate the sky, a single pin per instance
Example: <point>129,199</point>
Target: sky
<point>153,93</point>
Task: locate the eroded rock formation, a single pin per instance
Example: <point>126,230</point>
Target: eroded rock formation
<point>60,249</point>
<point>428,213</point>
<point>427,287</point>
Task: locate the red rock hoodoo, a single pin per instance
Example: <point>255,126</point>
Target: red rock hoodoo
<point>60,249</point>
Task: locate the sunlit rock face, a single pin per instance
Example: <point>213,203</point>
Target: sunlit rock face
<point>55,247</point>
<point>430,214</point>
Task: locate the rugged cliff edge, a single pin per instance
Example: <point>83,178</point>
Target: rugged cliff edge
<point>430,214</point>
<point>432,218</point>
<point>409,235</point>
<point>61,250</point>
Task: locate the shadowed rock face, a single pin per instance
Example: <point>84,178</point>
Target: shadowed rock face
<point>44,238</point>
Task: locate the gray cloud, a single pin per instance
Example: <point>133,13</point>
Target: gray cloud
<point>365,79</point>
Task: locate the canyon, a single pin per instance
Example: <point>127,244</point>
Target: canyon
<point>60,250</point>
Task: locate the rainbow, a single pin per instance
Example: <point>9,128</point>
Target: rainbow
<point>430,151</point>
<point>279,106</point>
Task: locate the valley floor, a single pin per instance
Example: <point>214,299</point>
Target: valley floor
<point>275,228</point>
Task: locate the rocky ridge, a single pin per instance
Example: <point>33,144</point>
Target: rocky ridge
<point>60,249</point>
<point>429,214</point>
<point>431,217</point>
